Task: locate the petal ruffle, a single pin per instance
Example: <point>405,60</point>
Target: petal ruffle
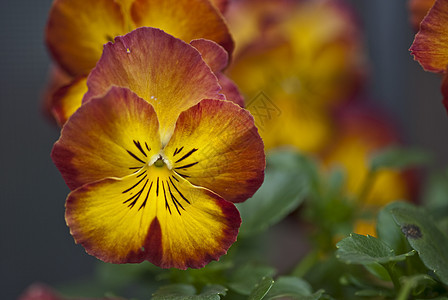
<point>217,146</point>
<point>112,136</point>
<point>221,5</point>
<point>152,215</point>
<point>68,99</point>
<point>184,19</point>
<point>214,55</point>
<point>77,30</point>
<point>217,59</point>
<point>230,90</point>
<point>163,70</point>
<point>430,46</point>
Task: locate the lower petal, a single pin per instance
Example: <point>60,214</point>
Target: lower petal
<point>152,215</point>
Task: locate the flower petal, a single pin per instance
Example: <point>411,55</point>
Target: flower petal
<point>221,5</point>
<point>112,136</point>
<point>212,53</point>
<point>230,90</point>
<point>430,46</point>
<point>217,146</point>
<point>159,217</point>
<point>445,90</point>
<point>418,10</point>
<point>77,30</point>
<point>57,78</point>
<point>163,70</point>
<point>184,19</point>
<point>68,99</point>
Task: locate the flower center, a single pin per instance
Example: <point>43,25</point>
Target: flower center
<point>159,162</point>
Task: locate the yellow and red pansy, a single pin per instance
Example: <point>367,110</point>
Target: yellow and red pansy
<point>155,157</point>
<point>430,46</point>
<point>77,30</point>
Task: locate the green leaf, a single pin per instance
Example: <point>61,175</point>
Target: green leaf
<point>360,249</point>
<point>188,292</point>
<point>424,236</point>
<point>436,191</point>
<point>378,271</point>
<point>261,288</point>
<point>435,196</point>
<point>244,279</point>
<point>374,293</point>
<point>289,287</point>
<point>389,231</point>
<point>399,158</point>
<point>284,189</point>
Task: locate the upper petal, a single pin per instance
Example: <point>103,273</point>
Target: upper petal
<point>217,146</point>
<point>430,46</point>
<point>77,30</point>
<point>112,136</point>
<point>152,215</point>
<point>184,19</point>
<point>163,70</point>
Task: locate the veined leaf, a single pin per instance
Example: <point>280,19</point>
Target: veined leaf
<point>424,236</point>
<point>365,250</point>
<point>188,292</point>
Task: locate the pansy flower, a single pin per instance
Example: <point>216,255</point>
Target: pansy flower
<point>77,30</point>
<point>154,157</point>
<point>305,57</point>
<point>430,46</point>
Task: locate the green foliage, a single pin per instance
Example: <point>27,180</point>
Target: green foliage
<point>365,250</point>
<point>261,289</point>
<point>399,158</point>
<point>424,236</point>
<point>284,189</point>
<point>288,287</point>
<point>244,279</point>
<point>188,292</point>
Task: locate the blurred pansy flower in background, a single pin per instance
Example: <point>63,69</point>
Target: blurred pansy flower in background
<point>305,57</point>
<point>418,9</point>
<point>77,30</point>
<point>39,291</point>
<point>155,161</point>
<point>362,131</point>
<point>430,46</point>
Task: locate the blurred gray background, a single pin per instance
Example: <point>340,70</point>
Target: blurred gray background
<point>35,244</point>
